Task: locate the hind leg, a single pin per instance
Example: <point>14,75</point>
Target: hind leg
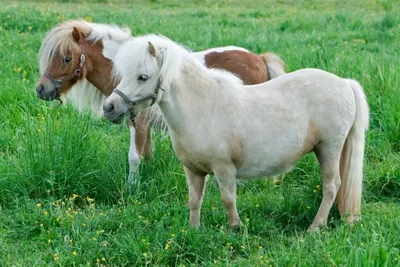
<point>329,161</point>
<point>196,183</point>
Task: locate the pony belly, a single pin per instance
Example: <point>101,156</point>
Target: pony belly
<point>266,163</point>
<point>255,172</point>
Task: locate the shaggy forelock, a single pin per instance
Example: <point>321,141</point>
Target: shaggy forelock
<point>59,40</point>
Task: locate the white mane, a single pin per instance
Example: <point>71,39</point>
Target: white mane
<point>173,57</point>
<point>83,95</point>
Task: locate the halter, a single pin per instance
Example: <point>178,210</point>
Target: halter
<point>132,104</point>
<point>76,74</point>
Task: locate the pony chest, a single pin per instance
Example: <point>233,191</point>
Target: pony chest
<point>193,157</point>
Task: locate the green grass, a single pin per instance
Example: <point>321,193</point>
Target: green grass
<point>47,155</point>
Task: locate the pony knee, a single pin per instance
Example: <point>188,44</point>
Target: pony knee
<point>134,161</point>
<point>229,202</point>
<point>194,204</point>
<point>330,191</point>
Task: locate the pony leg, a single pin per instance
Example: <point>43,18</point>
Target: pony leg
<point>139,145</point>
<point>227,186</point>
<point>196,183</point>
<point>133,158</point>
<point>143,136</point>
<point>329,161</point>
<point>148,145</point>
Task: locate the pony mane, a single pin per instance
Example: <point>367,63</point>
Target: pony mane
<point>134,54</point>
<point>173,54</point>
<point>83,95</point>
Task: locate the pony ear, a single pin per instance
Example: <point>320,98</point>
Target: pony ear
<point>110,49</point>
<point>152,50</point>
<point>78,34</point>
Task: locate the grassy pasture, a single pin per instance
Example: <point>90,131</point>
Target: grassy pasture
<point>62,174</point>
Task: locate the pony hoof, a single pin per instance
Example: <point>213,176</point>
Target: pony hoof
<point>195,225</point>
<point>131,179</point>
<point>133,183</point>
<point>353,219</point>
<point>313,229</point>
<point>235,226</point>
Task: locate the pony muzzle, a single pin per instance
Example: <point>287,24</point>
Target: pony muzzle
<point>114,109</point>
<point>46,91</point>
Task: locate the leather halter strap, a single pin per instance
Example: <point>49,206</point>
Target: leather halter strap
<point>132,104</point>
<point>58,83</point>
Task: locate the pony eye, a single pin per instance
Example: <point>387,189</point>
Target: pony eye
<point>143,77</point>
<point>67,59</point>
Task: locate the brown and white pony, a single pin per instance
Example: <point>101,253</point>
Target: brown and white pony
<point>74,69</point>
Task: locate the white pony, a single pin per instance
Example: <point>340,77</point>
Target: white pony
<point>219,126</point>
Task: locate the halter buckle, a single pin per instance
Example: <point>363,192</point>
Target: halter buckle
<point>58,84</point>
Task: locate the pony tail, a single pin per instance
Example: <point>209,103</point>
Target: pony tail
<point>351,160</point>
<point>275,65</point>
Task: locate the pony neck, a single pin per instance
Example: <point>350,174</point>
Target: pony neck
<point>192,92</point>
<point>99,68</point>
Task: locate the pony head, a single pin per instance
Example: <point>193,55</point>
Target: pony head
<point>146,66</point>
<point>61,60</point>
<point>67,56</point>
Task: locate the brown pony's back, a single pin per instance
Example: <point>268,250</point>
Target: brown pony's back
<point>250,68</point>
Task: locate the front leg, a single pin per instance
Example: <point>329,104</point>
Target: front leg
<point>133,158</point>
<point>196,183</point>
<point>226,179</point>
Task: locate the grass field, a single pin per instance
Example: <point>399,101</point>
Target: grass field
<point>62,174</point>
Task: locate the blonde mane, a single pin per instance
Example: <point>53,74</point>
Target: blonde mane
<point>58,41</point>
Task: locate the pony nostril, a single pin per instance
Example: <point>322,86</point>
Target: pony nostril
<point>109,107</point>
<point>40,88</point>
